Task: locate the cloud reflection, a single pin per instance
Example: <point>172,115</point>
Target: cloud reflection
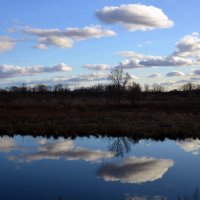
<point>135,170</point>
<point>145,198</point>
<point>61,149</point>
<point>7,144</point>
<point>136,198</point>
<point>190,145</point>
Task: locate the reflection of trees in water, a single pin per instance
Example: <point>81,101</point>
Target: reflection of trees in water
<point>121,145</point>
<point>195,195</point>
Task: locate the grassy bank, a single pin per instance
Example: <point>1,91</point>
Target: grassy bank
<point>48,114</point>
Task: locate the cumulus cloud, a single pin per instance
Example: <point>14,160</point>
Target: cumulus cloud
<point>190,145</point>
<point>166,61</point>
<point>135,170</point>
<point>154,75</point>
<point>6,44</point>
<point>188,46</point>
<point>62,149</point>
<point>97,67</point>
<point>175,73</point>
<point>62,42</point>
<point>7,71</point>
<point>135,17</point>
<point>146,62</point>
<point>129,64</point>
<point>59,67</point>
<point>7,144</point>
<point>187,53</point>
<point>66,38</point>
<point>133,59</point>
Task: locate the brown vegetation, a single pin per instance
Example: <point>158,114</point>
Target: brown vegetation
<point>94,111</point>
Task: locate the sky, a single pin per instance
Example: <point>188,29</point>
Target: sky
<point>77,43</point>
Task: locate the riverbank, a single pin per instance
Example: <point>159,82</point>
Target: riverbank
<point>61,115</point>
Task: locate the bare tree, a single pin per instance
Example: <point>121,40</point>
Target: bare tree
<point>188,87</point>
<point>120,80</point>
<point>157,88</point>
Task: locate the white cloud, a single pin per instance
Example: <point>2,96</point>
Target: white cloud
<point>129,64</point>
<point>133,59</point>
<point>169,61</point>
<point>89,77</point>
<point>7,71</point>
<point>188,46</point>
<point>61,42</point>
<point>97,67</point>
<point>142,61</point>
<point>62,149</point>
<point>190,145</point>
<point>154,75</point>
<point>66,38</point>
<point>60,67</point>
<point>132,55</point>
<point>135,17</point>
<point>6,44</point>
<point>175,73</point>
<point>187,53</point>
<point>88,32</point>
<point>135,170</point>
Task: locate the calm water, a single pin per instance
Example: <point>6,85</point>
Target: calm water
<point>99,169</point>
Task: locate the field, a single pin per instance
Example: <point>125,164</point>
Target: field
<point>58,114</point>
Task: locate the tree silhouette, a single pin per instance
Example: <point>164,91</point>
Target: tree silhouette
<point>120,81</point>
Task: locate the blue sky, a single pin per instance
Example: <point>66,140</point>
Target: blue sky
<point>31,53</point>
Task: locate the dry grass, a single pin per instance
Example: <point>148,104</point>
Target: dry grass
<point>55,115</point>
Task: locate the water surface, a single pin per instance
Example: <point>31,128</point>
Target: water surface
<point>97,168</point>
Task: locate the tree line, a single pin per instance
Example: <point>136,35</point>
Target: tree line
<point>120,87</point>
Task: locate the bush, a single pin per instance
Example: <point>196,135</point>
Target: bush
<point>134,93</point>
